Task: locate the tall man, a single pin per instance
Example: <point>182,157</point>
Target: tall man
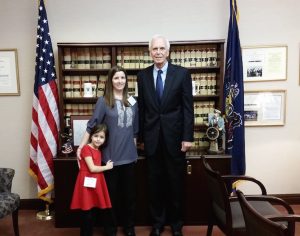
<point>166,126</point>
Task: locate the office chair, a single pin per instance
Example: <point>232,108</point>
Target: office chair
<point>225,210</point>
<point>257,224</point>
<point>9,202</point>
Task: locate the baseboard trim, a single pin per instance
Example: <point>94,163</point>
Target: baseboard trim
<point>33,204</point>
<point>293,199</point>
<point>39,205</point>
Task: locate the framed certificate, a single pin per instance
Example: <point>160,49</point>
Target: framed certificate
<point>78,125</point>
<point>264,108</point>
<point>264,63</point>
<point>9,73</point>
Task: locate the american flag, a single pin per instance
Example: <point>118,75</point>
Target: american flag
<point>45,115</point>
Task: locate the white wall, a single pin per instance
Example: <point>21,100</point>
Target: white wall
<point>272,152</point>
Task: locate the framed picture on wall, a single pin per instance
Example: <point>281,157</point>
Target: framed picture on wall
<point>9,73</point>
<point>78,126</point>
<point>264,108</point>
<point>264,63</point>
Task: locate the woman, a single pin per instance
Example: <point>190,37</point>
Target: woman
<point>121,118</point>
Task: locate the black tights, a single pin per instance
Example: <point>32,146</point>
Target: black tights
<point>87,223</point>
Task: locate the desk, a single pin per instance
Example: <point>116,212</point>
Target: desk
<point>196,196</point>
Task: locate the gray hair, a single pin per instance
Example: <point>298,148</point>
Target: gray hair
<point>158,36</point>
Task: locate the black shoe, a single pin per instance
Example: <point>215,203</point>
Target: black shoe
<point>129,232</point>
<point>155,231</point>
<point>177,233</point>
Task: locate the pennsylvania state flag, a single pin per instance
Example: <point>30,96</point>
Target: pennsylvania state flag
<point>234,96</point>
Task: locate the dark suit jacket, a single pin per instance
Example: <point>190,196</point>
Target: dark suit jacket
<point>173,116</point>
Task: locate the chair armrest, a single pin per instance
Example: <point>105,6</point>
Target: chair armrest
<point>232,178</point>
<point>289,218</point>
<point>273,200</point>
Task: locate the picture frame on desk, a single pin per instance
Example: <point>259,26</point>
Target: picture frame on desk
<point>9,73</point>
<point>264,63</point>
<point>265,108</point>
<point>78,126</point>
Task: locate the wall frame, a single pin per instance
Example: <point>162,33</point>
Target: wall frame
<point>78,126</point>
<point>265,108</point>
<point>264,63</point>
<point>9,73</point>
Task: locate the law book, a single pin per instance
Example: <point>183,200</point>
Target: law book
<point>214,57</point>
<point>198,57</point>
<point>81,58</point>
<point>67,58</point>
<point>87,58</point>
<point>74,58</point>
<point>205,111</point>
<point>182,57</point>
<point>177,56</point>
<point>76,86</point>
<point>106,58</point>
<point>93,64</point>
<point>101,85</point>
<point>214,84</point>
<point>187,57</point>
<point>203,84</point>
<point>209,85</point>
<point>99,58</point>
<point>173,57</point>
<point>203,58</point>
<point>193,58</point>
<point>120,56</point>
<point>67,90</point>
<point>126,54</point>
<point>141,59</point>
<point>136,58</point>
<point>75,109</point>
<point>131,58</point>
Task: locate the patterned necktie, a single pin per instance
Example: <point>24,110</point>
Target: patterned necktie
<point>159,85</point>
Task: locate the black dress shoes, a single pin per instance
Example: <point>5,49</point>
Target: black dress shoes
<point>177,233</point>
<point>155,232</point>
<point>129,232</point>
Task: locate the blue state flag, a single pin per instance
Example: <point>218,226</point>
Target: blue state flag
<point>234,96</point>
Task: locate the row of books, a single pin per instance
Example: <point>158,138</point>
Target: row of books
<point>87,58</point>
<point>204,84</point>
<point>73,86</point>
<point>194,56</point>
<point>137,57</point>
<point>200,140</point>
<point>201,111</point>
<point>77,109</point>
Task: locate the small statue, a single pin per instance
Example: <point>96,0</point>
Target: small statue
<point>216,132</point>
<point>67,147</point>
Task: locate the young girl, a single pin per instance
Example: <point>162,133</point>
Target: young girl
<point>90,189</point>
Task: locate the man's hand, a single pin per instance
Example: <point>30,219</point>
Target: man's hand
<point>185,146</point>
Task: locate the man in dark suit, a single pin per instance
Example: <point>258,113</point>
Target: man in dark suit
<point>166,126</point>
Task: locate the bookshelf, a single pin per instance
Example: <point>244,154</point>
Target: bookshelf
<point>90,62</point>
<point>81,62</point>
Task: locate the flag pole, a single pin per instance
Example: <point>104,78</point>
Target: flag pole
<point>46,214</point>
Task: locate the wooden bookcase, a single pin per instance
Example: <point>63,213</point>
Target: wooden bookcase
<point>90,62</point>
<point>81,62</point>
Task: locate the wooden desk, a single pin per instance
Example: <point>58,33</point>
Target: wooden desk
<point>196,196</point>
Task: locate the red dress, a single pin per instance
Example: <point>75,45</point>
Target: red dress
<point>85,198</point>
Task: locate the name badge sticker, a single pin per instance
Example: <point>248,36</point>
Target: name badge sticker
<point>131,100</point>
<point>90,182</point>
